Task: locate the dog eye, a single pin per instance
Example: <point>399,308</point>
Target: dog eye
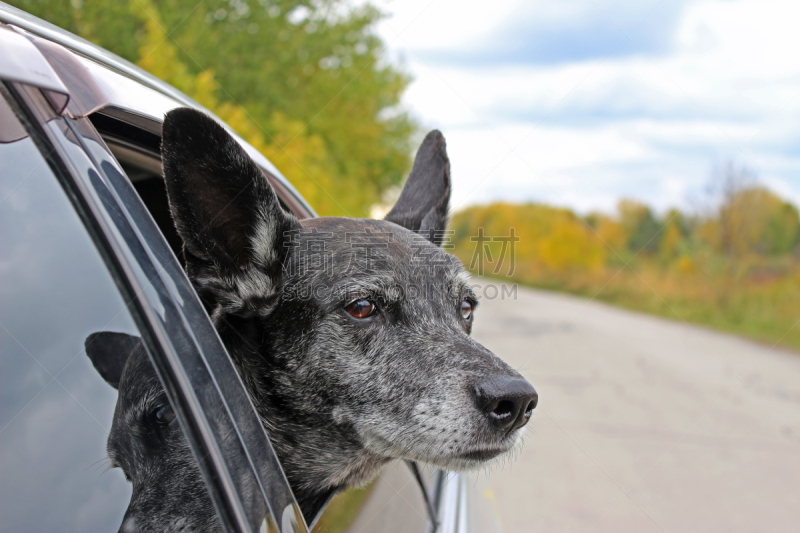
<point>164,415</point>
<point>360,308</point>
<point>466,309</point>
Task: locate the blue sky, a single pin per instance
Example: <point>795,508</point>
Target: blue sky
<point>583,102</point>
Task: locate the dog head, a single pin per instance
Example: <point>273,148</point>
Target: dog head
<point>352,336</point>
<point>147,443</point>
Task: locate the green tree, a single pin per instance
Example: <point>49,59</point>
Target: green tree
<point>758,221</point>
<point>673,235</point>
<point>306,81</point>
<point>783,229</point>
<point>641,227</point>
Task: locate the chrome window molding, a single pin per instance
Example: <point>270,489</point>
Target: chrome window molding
<point>12,15</point>
<point>452,501</point>
<point>22,62</point>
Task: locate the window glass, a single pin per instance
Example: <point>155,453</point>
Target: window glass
<point>55,408</point>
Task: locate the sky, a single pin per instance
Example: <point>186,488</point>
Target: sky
<point>580,103</point>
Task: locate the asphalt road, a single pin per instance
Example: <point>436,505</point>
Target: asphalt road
<point>643,424</point>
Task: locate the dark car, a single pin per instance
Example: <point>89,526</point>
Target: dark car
<point>88,245</point>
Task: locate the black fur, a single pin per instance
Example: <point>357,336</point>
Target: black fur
<point>338,395</point>
<point>217,197</point>
<point>109,352</point>
<point>424,202</point>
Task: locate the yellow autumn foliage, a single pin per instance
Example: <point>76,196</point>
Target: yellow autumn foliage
<point>550,239</point>
<point>300,156</point>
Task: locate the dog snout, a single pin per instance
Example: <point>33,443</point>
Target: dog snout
<point>507,402</point>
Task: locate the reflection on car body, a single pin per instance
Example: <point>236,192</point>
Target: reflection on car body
<point>147,444</point>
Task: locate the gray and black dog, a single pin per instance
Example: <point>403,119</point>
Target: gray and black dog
<point>352,336</point>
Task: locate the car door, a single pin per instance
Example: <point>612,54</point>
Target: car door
<point>111,261</point>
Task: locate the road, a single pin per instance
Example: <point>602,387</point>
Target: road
<point>643,425</point>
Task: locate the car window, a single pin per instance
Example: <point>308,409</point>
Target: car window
<point>55,408</point>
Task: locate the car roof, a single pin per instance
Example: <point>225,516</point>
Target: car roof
<point>79,45</point>
<point>112,62</point>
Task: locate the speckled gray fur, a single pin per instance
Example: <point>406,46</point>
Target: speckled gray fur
<point>338,396</point>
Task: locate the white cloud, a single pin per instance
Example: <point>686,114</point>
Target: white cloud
<point>589,130</point>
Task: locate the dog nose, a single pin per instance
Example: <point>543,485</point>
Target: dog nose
<point>508,402</point>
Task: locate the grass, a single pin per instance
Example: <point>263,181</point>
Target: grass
<point>768,314</point>
<point>763,308</point>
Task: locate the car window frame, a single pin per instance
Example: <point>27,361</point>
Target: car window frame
<point>131,244</point>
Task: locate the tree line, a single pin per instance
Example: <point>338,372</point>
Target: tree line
<point>305,81</point>
<point>745,223</point>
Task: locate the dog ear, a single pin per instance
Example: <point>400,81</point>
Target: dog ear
<point>109,352</point>
<point>224,209</point>
<point>423,204</point>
